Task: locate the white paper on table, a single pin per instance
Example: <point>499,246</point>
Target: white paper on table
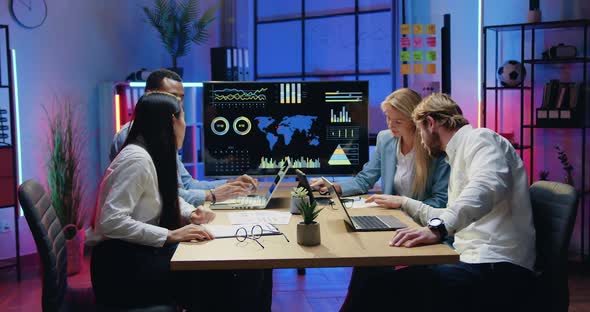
<point>360,202</point>
<point>223,231</point>
<point>253,217</point>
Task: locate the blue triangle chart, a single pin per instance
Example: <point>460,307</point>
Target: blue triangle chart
<point>339,158</point>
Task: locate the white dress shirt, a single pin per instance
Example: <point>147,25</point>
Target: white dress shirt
<point>129,203</point>
<point>489,208</point>
<point>404,172</point>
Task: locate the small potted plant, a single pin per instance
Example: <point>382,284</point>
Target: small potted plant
<point>308,231</point>
<point>178,23</point>
<point>567,167</point>
<point>298,196</point>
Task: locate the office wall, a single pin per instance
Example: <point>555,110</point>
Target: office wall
<point>81,44</point>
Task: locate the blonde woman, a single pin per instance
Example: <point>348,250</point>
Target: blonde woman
<point>400,160</point>
<point>404,166</point>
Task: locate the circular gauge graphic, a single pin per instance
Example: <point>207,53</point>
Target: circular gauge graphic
<point>242,125</point>
<point>220,125</point>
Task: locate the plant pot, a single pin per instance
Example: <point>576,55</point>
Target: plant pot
<point>178,70</point>
<point>75,252</point>
<point>534,16</point>
<point>295,202</point>
<point>308,234</point>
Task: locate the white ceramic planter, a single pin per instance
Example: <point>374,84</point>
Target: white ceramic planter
<point>295,202</point>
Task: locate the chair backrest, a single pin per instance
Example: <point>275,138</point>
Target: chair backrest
<point>554,211</point>
<point>50,240</point>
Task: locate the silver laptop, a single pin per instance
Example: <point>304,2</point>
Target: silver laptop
<point>364,223</point>
<point>255,201</point>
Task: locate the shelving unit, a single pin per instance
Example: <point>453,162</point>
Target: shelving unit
<point>118,100</point>
<point>529,56</point>
<point>8,144</point>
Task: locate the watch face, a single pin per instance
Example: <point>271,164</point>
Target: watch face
<point>29,13</point>
<point>435,222</point>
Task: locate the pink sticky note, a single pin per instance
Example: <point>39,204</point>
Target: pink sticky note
<point>431,42</point>
<point>404,42</point>
<point>418,42</point>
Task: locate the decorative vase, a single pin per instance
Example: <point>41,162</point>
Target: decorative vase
<point>75,252</point>
<point>178,70</point>
<point>308,234</point>
<point>534,16</point>
<point>296,201</point>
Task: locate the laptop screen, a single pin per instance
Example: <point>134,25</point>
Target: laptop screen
<point>278,178</point>
<point>336,198</point>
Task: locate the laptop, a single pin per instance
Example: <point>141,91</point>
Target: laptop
<point>255,201</point>
<point>365,223</point>
<point>302,179</point>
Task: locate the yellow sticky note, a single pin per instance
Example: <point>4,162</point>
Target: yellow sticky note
<point>430,29</point>
<point>431,68</point>
<point>405,69</point>
<point>418,68</point>
<point>418,56</point>
<point>418,29</point>
<point>405,29</point>
<point>405,56</point>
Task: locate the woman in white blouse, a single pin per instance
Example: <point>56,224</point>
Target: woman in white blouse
<point>140,219</point>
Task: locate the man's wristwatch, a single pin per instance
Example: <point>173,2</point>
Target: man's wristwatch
<point>437,225</point>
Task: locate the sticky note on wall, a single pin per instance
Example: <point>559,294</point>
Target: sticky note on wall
<point>404,42</point>
<point>405,29</point>
<point>418,29</point>
<point>431,68</point>
<point>405,69</point>
<point>405,56</point>
<point>418,42</point>
<point>430,29</point>
<point>418,56</point>
<point>418,68</point>
<point>431,42</point>
<point>430,56</point>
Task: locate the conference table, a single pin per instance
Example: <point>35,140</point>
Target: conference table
<point>340,246</point>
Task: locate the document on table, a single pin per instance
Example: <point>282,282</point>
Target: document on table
<point>253,217</point>
<point>360,202</point>
<point>223,231</point>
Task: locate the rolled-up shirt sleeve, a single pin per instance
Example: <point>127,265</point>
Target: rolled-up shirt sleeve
<point>489,182</point>
<point>185,209</point>
<point>123,194</point>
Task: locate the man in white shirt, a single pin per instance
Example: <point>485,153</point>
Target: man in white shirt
<point>488,212</point>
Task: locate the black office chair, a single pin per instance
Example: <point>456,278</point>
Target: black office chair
<point>554,211</point>
<point>51,246</point>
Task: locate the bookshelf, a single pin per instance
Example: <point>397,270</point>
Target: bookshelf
<point>8,142</point>
<point>117,101</point>
<point>551,110</point>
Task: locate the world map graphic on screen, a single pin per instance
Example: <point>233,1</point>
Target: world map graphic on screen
<point>286,128</point>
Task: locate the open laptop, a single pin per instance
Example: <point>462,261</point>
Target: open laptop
<point>302,179</point>
<point>365,223</point>
<point>255,201</point>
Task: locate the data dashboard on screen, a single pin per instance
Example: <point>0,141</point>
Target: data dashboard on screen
<point>250,127</point>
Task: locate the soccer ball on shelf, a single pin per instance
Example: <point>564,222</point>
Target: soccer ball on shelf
<point>511,74</point>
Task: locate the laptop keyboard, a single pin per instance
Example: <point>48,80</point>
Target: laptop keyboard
<point>368,222</point>
<point>251,201</point>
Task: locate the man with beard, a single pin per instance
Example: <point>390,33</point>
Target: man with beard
<point>488,212</point>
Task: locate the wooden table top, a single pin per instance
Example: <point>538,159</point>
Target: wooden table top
<point>340,246</point>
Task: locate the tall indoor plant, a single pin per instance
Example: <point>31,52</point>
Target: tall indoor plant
<point>178,23</point>
<point>64,177</point>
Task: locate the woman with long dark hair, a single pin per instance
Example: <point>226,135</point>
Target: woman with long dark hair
<point>140,218</point>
